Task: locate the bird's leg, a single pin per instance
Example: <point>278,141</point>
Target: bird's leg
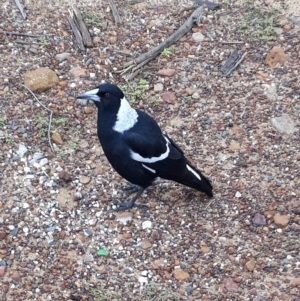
<point>131,203</point>
<point>130,188</point>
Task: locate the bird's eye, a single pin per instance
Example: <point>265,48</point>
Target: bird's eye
<point>107,95</point>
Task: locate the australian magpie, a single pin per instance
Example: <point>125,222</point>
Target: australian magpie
<point>136,147</point>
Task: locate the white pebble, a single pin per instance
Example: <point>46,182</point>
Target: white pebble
<point>26,205</point>
<point>43,162</point>
<point>238,194</point>
<point>147,225</point>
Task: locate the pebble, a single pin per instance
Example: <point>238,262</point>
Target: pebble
<point>166,72</point>
<point>238,194</point>
<point>2,271</point>
<point>2,235</point>
<point>259,220</point>
<point>180,274</point>
<point>198,37</point>
<point>25,230</point>
<point>145,244</point>
<point>57,138</point>
<point>124,217</point>
<point>88,257</point>
<point>147,225</point>
<point>281,220</point>
<point>284,124</point>
<point>168,97</point>
<point>189,289</point>
<point>36,156</point>
<point>250,265</point>
<point>88,110</point>
<point>15,231</point>
<point>16,276</point>
<point>44,161</point>
<point>296,282</point>
<point>62,56</point>
<point>22,151</point>
<point>84,179</point>
<point>230,285</point>
<point>88,232</point>
<point>158,87</point>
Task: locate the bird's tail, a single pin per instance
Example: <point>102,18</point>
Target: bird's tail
<point>195,179</point>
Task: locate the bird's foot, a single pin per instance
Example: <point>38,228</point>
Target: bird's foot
<point>128,205</point>
<point>130,188</point>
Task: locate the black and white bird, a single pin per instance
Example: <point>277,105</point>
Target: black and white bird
<point>136,147</point>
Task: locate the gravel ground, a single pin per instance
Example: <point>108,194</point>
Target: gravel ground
<point>60,238</point>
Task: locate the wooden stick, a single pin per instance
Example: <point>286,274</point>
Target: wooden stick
<point>76,32</point>
<point>86,38</point>
<point>153,53</point>
<point>50,118</point>
<point>236,64</point>
<point>20,7</point>
<point>14,33</point>
<point>114,11</point>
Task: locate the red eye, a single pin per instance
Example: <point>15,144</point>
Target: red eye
<point>107,95</point>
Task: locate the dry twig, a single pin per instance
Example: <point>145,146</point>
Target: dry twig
<point>20,7</point>
<point>14,33</point>
<point>50,118</point>
<point>134,66</point>
<point>114,11</point>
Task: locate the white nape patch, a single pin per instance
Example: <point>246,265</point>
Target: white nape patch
<point>194,172</point>
<point>150,169</point>
<point>92,95</point>
<point>139,158</point>
<point>126,118</point>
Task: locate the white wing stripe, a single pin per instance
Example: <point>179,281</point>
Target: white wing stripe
<point>194,172</point>
<point>150,169</point>
<point>139,158</point>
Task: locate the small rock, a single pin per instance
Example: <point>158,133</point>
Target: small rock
<point>158,87</point>
<point>40,79</point>
<point>77,72</point>
<point>284,124</point>
<point>16,276</point>
<point>205,249</point>
<point>296,282</point>
<point>88,110</point>
<point>180,274</point>
<point>57,138</point>
<point>198,37</point>
<point>234,146</point>
<point>62,56</point>
<point>127,235</point>
<point>195,95</point>
<point>158,263</point>
<point>36,156</point>
<point>238,194</point>
<point>145,244</point>
<point>44,161</point>
<point>250,265</point>
<point>147,225</point>
<point>113,39</point>
<point>62,234</point>
<point>281,220</point>
<point>22,151</point>
<point>88,257</point>
<point>62,84</point>
<point>166,72</point>
<point>96,40</point>
<point>98,171</point>
<point>189,91</point>
<point>77,196</point>
<point>63,175</point>
<point>2,235</point>
<point>230,285</point>
<point>2,271</point>
<point>85,180</point>
<point>189,289</point>
<point>259,220</point>
<point>276,56</point>
<point>124,217</point>
<point>270,91</point>
<point>168,97</point>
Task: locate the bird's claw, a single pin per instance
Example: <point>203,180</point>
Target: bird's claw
<point>128,205</point>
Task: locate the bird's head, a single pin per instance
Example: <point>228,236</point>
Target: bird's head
<point>106,96</point>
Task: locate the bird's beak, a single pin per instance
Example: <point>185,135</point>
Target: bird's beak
<point>91,95</point>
